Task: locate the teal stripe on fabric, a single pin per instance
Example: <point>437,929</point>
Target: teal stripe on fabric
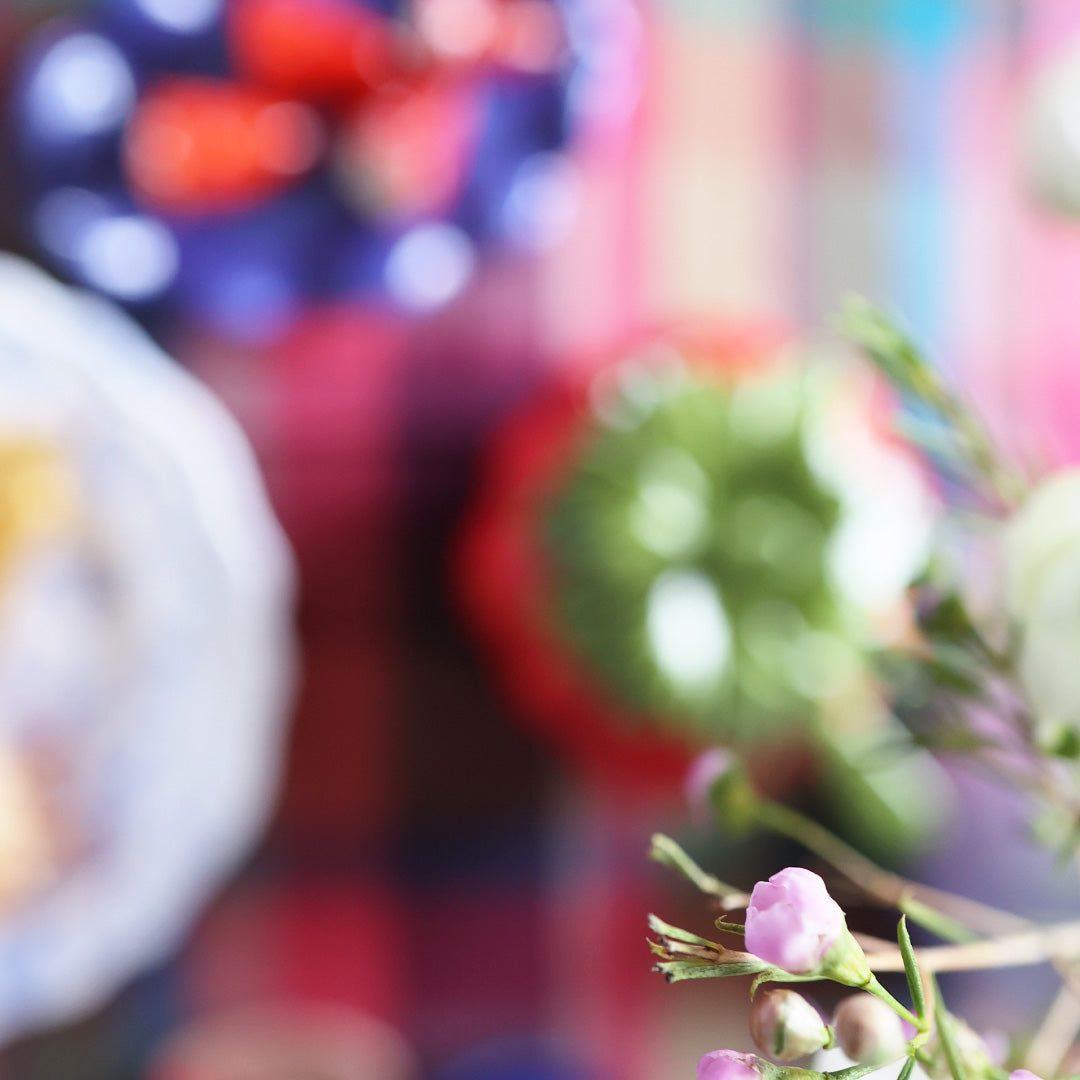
<point>926,25</point>
<point>734,12</point>
<point>922,42</point>
<point>844,21</point>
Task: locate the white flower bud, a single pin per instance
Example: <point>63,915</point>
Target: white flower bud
<point>785,1026</point>
<point>868,1031</point>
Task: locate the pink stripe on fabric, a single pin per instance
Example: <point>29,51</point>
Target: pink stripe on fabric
<point>716,241</point>
<point>981,226</point>
<point>1045,272</point>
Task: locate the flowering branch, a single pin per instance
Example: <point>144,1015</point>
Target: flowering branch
<point>949,916</point>
<point>960,441</point>
<point>1019,668</point>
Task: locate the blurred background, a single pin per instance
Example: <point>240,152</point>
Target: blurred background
<point>378,230</point>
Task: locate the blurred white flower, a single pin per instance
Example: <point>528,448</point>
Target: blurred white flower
<point>1041,550</point>
<point>868,1031</point>
<point>888,510</point>
<point>1050,133</point>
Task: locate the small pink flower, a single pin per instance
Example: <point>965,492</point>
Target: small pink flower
<point>704,771</point>
<point>1016,1074</point>
<point>792,921</point>
<point>728,1065</point>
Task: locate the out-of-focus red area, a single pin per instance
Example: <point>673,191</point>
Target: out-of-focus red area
<point>199,145</point>
<point>315,47</point>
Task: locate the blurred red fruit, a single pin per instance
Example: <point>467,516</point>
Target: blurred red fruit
<point>312,48</point>
<point>198,145</point>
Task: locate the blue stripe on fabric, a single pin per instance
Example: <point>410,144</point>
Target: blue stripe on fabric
<point>921,42</point>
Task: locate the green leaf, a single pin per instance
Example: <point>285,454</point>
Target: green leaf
<point>771,1071</point>
<point>948,620</point>
<point>911,970</point>
<point>730,927</point>
<point>680,970</point>
<point>937,922</point>
<point>909,1067</point>
<point>668,853</point>
<point>1064,742</point>
<point>890,349</point>
<point>954,667</point>
<point>674,933</point>
<point>854,1072</point>
<point>685,955</point>
<point>933,440</point>
<point>779,975</point>
<point>897,798</point>
<point>903,364</point>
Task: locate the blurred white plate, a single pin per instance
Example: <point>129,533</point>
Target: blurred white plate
<point>147,651</point>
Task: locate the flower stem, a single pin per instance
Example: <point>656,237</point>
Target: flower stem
<point>1043,945</point>
<point>922,904</point>
<point>937,922</point>
<point>943,1023</point>
<point>879,991</point>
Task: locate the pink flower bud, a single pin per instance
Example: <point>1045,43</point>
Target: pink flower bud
<point>792,921</point>
<point>785,1026</point>
<point>708,767</point>
<point>1023,1074</point>
<point>728,1065</point>
<point>868,1031</point>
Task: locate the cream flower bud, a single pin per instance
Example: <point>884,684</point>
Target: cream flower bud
<point>975,1055</point>
<point>785,1026</point>
<point>1041,556</point>
<point>868,1031</point>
